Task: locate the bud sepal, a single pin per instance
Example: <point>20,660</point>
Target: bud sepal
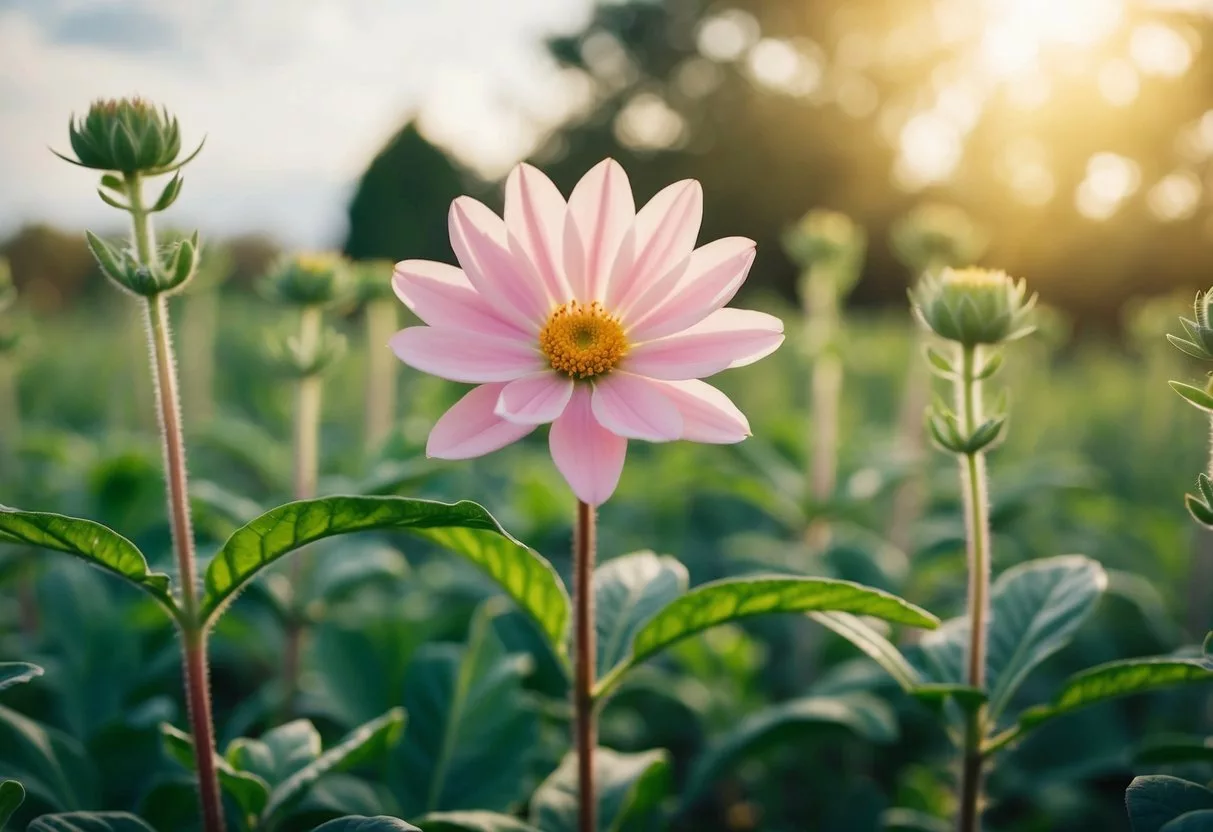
<point>1200,506</point>
<point>974,306</point>
<point>127,135</point>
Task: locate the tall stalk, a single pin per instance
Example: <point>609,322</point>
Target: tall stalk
<point>585,731</point>
<point>381,372</point>
<point>822,319</point>
<point>164,372</point>
<point>974,488</point>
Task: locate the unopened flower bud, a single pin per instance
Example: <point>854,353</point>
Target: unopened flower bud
<point>933,236</point>
<point>824,237</point>
<point>973,306</point>
<point>309,279</point>
<point>127,135</point>
<point>373,280</point>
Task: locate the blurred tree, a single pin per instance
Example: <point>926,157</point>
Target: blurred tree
<point>50,266</point>
<point>400,207</point>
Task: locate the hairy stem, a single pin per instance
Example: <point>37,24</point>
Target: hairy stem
<point>164,370</point>
<point>585,732</point>
<point>308,402</point>
<point>977,535</point>
<point>381,372</point>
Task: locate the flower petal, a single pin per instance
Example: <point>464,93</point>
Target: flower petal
<point>601,211</point>
<point>712,277</point>
<point>465,355</point>
<point>442,296</point>
<point>636,408</point>
<point>535,217</point>
<point>726,338</point>
<point>707,414</point>
<point>481,244</point>
<point>588,456</point>
<point>535,399</point>
<point>663,233</point>
<point>470,428</point>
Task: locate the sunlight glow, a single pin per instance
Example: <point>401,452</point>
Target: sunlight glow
<point>1160,50</point>
<point>1176,196</point>
<point>1018,33</point>
<point>930,148</point>
<point>1110,180</point>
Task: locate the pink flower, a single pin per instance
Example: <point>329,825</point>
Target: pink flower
<point>589,314</point>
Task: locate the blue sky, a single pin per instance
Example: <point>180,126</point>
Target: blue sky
<point>293,95</point>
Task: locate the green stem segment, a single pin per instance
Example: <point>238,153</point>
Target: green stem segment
<point>585,731</point>
<point>197,689</point>
<point>381,372</point>
<point>977,528</point>
<point>308,403</point>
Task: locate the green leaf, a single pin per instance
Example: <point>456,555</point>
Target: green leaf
<point>92,542</point>
<point>869,640</point>
<point>361,823</point>
<point>1171,750</point>
<point>1157,799</point>
<point>1195,395</point>
<point>939,362</point>
<point>280,753</point>
<point>364,742</point>
<point>629,786</point>
<point>471,729</point>
<point>472,822</point>
<point>628,591</point>
<point>16,673</point>
<point>52,766</point>
<point>1198,821</point>
<point>968,698</point>
<point>250,791</point>
<point>89,822</point>
<point>789,723</point>
<point>720,602</point>
<point>1036,607</point>
<point>12,795</point>
<point>1121,678</point>
<point>911,820</point>
<point>464,528</point>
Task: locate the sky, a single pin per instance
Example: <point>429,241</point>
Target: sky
<point>294,97</point>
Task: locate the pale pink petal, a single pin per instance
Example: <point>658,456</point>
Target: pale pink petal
<point>636,408</point>
<point>588,455</point>
<point>726,338</point>
<point>470,428</point>
<point>662,235</point>
<point>535,399</point>
<point>711,279</point>
<point>535,218</point>
<point>600,212</point>
<point>464,355</point>
<point>442,296</point>
<point>481,244</point>
<point>707,414</point>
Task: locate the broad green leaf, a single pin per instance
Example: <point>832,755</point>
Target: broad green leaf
<point>52,766</point>
<point>1157,799</point>
<point>16,673</point>
<point>628,591</point>
<point>629,786</point>
<point>91,542</point>
<point>1035,610</point>
<point>1198,821</point>
<point>473,822</point>
<point>471,728</point>
<point>279,753</point>
<point>361,823</point>
<point>1122,678</point>
<point>1172,750</point>
<point>464,528</point>
<point>365,741</point>
<point>720,602</point>
<point>869,640</point>
<point>12,795</point>
<point>250,791</point>
<point>89,822</point>
<point>789,723</point>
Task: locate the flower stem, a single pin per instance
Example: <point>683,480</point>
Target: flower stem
<point>977,528</point>
<point>585,731</point>
<point>160,346</point>
<point>308,403</point>
<point>381,372</point>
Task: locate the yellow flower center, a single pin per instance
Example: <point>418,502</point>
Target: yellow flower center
<point>583,341</point>
<point>974,278</point>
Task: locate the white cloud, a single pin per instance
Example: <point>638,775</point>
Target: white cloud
<point>294,96</point>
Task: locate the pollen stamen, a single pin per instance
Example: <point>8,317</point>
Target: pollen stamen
<point>582,340</point>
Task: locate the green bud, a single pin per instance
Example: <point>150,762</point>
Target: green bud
<point>127,135</point>
<point>973,306</point>
<point>373,280</point>
<point>824,237</point>
<point>309,280</point>
<point>934,235</point>
<point>1198,342</point>
<point>291,357</point>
